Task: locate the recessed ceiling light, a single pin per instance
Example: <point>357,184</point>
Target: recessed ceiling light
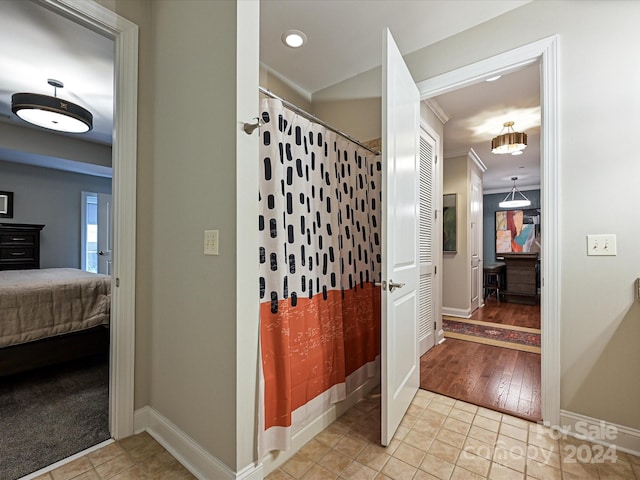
<point>493,79</point>
<point>294,38</point>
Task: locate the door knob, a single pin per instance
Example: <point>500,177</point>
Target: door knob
<point>100,252</point>
<point>382,284</point>
<point>393,285</point>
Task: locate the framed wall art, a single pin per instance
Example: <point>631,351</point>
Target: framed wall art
<point>6,204</point>
<point>517,231</point>
<point>449,223</point>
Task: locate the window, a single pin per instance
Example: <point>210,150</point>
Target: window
<point>90,232</point>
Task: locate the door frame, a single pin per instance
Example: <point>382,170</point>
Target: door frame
<point>477,232</point>
<point>124,160</point>
<point>546,52</point>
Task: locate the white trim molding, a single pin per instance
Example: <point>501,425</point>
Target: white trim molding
<point>437,110</point>
<point>597,431</point>
<point>544,51</point>
<point>457,153</point>
<point>501,64</point>
<point>187,451</point>
<point>457,312</point>
<point>477,160</point>
<point>296,88</point>
<point>124,160</point>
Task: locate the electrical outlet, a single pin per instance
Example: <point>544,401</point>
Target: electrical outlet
<point>211,242</point>
<point>601,244</point>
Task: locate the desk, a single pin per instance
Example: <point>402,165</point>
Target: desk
<point>522,277</point>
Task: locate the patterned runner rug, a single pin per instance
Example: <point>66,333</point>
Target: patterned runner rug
<point>506,336</point>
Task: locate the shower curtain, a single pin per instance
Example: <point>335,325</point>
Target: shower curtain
<point>319,254</point>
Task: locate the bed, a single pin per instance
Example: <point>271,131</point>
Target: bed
<point>52,315</point>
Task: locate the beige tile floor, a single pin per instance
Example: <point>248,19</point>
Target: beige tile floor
<point>133,458</point>
<point>442,438</point>
<point>439,438</point>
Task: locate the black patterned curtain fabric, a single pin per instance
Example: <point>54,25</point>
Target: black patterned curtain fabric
<point>319,255</point>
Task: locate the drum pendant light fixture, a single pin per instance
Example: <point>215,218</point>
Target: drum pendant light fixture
<point>52,112</point>
<point>509,142</point>
<point>515,198</point>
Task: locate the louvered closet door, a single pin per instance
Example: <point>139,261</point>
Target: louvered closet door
<point>426,300</point>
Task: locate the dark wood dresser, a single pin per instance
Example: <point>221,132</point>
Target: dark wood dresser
<point>19,246</point>
<point>522,277</point>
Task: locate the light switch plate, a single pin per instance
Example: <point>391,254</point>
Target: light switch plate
<point>211,242</point>
<point>601,244</point>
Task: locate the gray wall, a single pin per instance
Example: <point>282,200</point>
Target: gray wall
<point>196,328</point>
<point>52,198</point>
<point>490,207</point>
<point>456,286</point>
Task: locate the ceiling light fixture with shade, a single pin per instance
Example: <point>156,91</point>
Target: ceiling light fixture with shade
<point>509,141</point>
<point>515,198</point>
<point>52,112</point>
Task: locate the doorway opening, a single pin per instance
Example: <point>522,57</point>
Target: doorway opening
<point>97,232</point>
<point>544,52</point>
<point>497,363</point>
<point>120,335</point>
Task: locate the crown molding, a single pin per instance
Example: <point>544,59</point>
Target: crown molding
<point>477,160</point>
<point>457,153</point>
<point>437,110</point>
<point>299,90</point>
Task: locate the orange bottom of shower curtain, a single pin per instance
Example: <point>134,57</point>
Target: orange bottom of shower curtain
<point>313,346</point>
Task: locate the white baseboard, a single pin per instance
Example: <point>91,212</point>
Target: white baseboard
<point>275,459</point>
<point>456,312</point>
<point>141,420</point>
<point>597,431</point>
<point>187,451</point>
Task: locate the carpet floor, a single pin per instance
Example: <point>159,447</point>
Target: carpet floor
<point>506,336</point>
<point>51,413</point>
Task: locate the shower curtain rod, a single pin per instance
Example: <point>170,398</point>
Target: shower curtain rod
<point>313,118</point>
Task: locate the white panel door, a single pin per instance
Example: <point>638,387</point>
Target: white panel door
<point>105,233</point>
<point>400,124</point>
<point>476,240</point>
<point>427,255</point>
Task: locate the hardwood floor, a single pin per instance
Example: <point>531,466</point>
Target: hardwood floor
<point>493,377</point>
<point>508,313</point>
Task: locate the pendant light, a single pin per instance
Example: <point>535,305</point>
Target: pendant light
<point>509,141</point>
<point>513,201</point>
<point>52,112</point>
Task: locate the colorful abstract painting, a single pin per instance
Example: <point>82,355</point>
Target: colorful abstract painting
<point>518,231</point>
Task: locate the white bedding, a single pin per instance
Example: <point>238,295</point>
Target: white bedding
<point>36,304</point>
